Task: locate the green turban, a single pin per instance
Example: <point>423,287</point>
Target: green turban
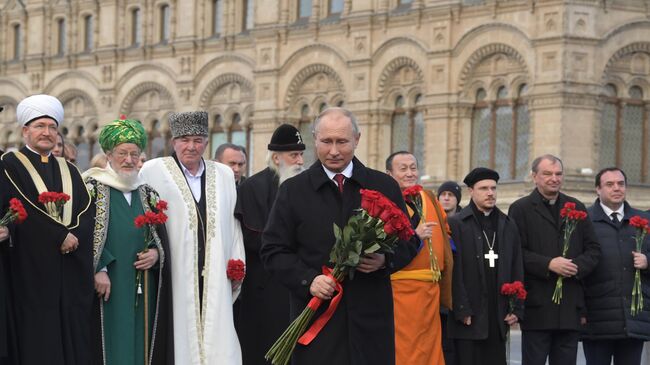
<point>122,131</point>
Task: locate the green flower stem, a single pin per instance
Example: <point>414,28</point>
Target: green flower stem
<point>557,293</point>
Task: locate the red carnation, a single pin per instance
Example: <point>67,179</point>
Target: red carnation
<point>162,205</point>
<point>15,214</point>
<point>236,270</point>
<point>413,191</point>
<point>638,222</point>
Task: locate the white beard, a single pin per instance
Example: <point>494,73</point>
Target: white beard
<point>286,172</point>
<point>127,177</point>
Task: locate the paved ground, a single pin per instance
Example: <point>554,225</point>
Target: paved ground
<point>515,350</point>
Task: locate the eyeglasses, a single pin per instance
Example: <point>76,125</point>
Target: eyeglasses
<point>123,154</point>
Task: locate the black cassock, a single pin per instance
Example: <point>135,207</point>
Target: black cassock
<point>296,243</point>
<point>51,293</point>
<point>476,285</point>
<point>263,306</point>
<point>4,245</point>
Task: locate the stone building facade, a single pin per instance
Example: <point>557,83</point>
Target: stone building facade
<point>461,83</point>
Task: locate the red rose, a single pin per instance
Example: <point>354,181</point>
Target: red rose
<point>406,234</point>
<point>570,205</point>
<point>236,270</point>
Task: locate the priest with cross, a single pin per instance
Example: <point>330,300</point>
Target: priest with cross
<point>488,255</point>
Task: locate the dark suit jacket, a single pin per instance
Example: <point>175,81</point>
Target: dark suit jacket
<point>469,289</point>
<point>297,241</point>
<point>541,240</point>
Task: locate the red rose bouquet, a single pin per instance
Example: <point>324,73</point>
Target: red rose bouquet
<point>236,270</point>
<point>377,227</point>
<point>54,203</point>
<point>641,225</point>
<point>149,220</point>
<point>414,196</point>
<point>571,218</point>
<point>514,291</point>
<point>15,214</point>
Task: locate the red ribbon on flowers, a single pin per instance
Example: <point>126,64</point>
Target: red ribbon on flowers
<point>314,303</point>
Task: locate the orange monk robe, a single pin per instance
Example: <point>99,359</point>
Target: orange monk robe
<point>417,298</point>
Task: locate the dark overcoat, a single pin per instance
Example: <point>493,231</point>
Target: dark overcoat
<point>608,290</point>
<point>541,240</point>
<point>296,243</point>
<point>51,293</point>
<point>469,285</point>
<point>4,247</point>
<point>263,306</point>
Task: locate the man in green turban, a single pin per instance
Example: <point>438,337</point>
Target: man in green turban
<point>132,267</point>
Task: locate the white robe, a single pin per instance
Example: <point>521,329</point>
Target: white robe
<point>209,338</point>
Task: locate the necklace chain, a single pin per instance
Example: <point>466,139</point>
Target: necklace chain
<point>494,238</point>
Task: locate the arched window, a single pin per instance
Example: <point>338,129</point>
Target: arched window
<point>18,42</point>
<point>217,16</point>
<point>624,129</point>
<point>500,132</point>
<point>248,21</point>
<point>136,28</point>
<point>218,135</point>
<point>336,7</point>
<point>88,33</point>
<point>407,128</point>
<point>60,43</point>
<point>165,18</point>
<point>158,145</point>
<point>304,9</point>
<point>305,128</point>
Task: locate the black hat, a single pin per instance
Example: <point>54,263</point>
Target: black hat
<point>452,187</point>
<point>286,138</point>
<point>480,173</point>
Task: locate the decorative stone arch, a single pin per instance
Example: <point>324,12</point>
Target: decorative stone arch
<point>222,81</point>
<point>231,57</point>
<point>487,51</point>
<point>139,90</point>
<point>385,80</point>
<point>156,67</point>
<point>470,34</point>
<point>626,26</point>
<point>69,75</point>
<point>626,51</point>
<point>90,108</point>
<point>8,84</point>
<point>306,73</point>
<point>312,48</point>
<point>399,41</point>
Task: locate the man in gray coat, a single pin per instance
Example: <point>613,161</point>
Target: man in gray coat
<point>611,331</point>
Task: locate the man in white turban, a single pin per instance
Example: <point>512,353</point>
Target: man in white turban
<point>50,257</point>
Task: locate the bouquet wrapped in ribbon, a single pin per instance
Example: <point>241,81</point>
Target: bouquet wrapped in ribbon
<point>149,220</point>
<point>54,203</point>
<point>571,218</point>
<point>641,225</point>
<point>376,228</point>
<point>413,195</point>
<point>15,214</point>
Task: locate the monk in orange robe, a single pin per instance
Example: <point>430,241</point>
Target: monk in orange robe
<point>421,288</point>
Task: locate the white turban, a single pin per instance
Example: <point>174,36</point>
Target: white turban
<point>37,106</point>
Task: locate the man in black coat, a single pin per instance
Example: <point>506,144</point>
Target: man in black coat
<point>298,238</point>
<point>488,255</point>
<point>262,310</point>
<point>552,330</point>
<point>611,330</point>
<point>50,262</point>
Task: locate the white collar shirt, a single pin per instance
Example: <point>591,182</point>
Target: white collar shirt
<point>608,212</point>
<point>347,172</point>
<point>194,181</point>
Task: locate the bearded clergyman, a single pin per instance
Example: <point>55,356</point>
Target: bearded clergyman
<point>132,264</point>
<point>263,307</point>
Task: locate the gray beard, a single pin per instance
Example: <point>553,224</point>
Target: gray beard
<point>287,172</point>
<point>127,177</point>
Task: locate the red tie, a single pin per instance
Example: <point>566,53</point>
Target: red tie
<point>339,180</point>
